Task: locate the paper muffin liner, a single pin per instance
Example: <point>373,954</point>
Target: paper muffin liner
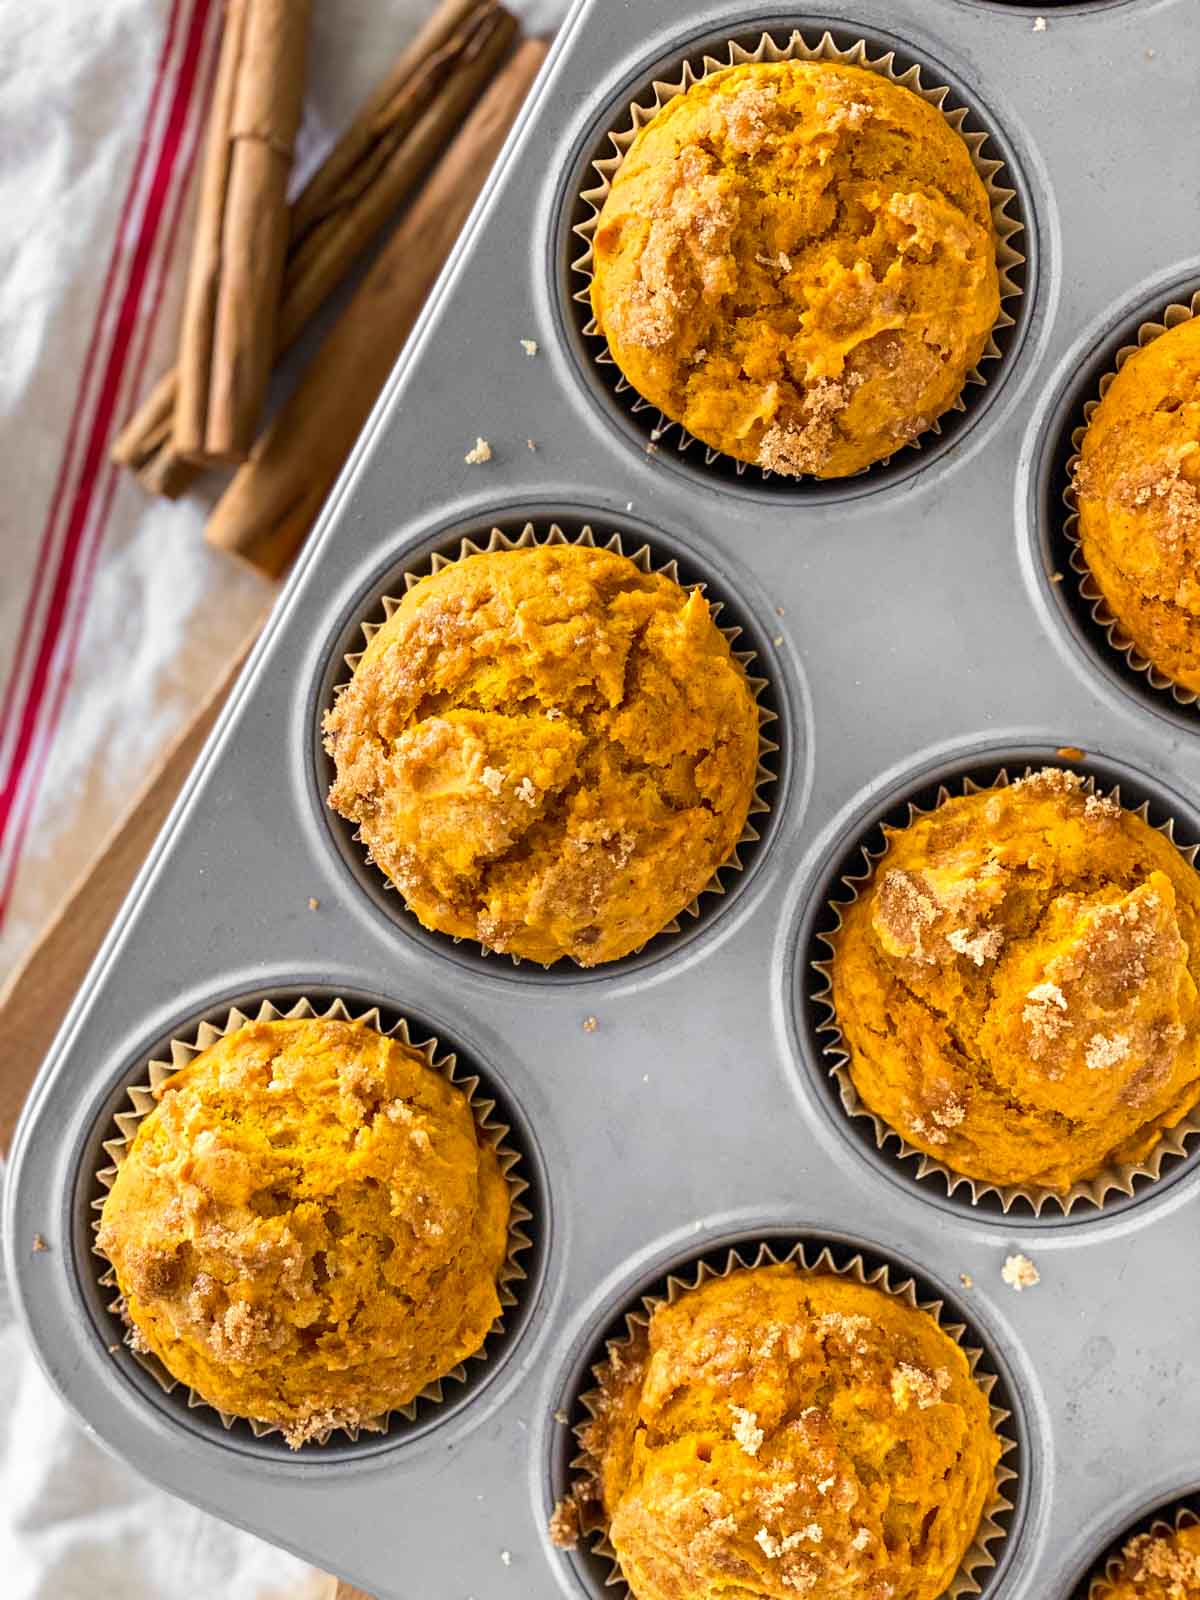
<point>797,48</point>
<point>582,1499</point>
<point>1089,590</point>
<point>1101,1587</point>
<point>144,1097</point>
<point>1118,1179</point>
<point>530,538</point>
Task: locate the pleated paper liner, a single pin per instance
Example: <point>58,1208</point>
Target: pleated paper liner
<point>1114,1180</point>
<point>796,47</point>
<point>531,537</point>
<point>144,1097</point>
<point>1101,1586</point>
<point>1089,590</point>
<point>582,1501</point>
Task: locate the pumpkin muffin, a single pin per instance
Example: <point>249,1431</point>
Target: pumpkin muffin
<point>1156,1566</point>
<point>773,1434</point>
<point>1138,494</point>
<point>797,262</point>
<point>547,750</point>
<point>306,1229</point>
<point>1017,986</point>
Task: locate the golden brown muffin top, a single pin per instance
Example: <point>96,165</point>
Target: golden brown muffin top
<point>307,1229</point>
<point>547,750</point>
<point>774,1434</point>
<point>1138,493</point>
<point>797,261</point>
<point>1017,985</point>
<point>1157,1566</point>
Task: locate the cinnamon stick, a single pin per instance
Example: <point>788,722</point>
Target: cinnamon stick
<point>274,499</point>
<point>227,338</point>
<point>367,176</point>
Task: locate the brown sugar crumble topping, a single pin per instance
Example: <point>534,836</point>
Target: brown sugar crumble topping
<point>801,441</point>
<point>977,947</point>
<point>746,1430</point>
<point>1102,1052</point>
<point>912,1386</point>
<point>565,1525</point>
<point>1159,1556</point>
<point>748,116</point>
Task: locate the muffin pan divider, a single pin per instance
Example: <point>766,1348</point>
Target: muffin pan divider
<point>906,625</point>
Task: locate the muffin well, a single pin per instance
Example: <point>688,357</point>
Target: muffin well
<point>547,750</point>
<point>307,1229</point>
<point>773,1433</point>
<point>797,262</point>
<point>1017,985</point>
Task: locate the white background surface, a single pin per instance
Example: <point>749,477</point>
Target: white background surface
<point>134,616</point>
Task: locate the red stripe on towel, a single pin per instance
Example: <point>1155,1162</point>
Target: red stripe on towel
<point>53,649</point>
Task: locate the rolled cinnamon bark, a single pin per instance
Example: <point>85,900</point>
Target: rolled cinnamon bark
<point>370,172</point>
<point>274,499</point>
<point>227,337</point>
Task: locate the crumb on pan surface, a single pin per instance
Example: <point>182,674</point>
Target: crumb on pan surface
<point>1020,1273</point>
<point>1157,1566</point>
<point>873,1451</point>
<point>1138,496</point>
<point>547,750</point>
<point>1017,985</point>
<point>307,1229</point>
<point>797,261</point>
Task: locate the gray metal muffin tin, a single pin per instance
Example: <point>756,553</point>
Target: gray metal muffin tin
<point>907,627</point>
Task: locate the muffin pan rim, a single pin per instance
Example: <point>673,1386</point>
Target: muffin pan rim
<point>1056,8</point>
<point>459,1410</point>
<point>603,1317</point>
<point>1041,478</point>
<point>785,696</point>
<point>987,405</point>
<point>799,944</point>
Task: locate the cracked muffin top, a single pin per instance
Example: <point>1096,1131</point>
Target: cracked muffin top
<point>1156,1566</point>
<point>547,750</point>
<point>773,1434</point>
<point>1017,985</point>
<point>797,262</point>
<point>307,1229</point>
<point>1138,493</point>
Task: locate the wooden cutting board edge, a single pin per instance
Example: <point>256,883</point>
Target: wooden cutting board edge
<point>35,997</point>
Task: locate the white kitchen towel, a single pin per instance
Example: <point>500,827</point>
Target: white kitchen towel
<point>75,1524</point>
<point>115,617</point>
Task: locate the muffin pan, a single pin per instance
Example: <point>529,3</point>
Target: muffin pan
<point>907,633</point>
